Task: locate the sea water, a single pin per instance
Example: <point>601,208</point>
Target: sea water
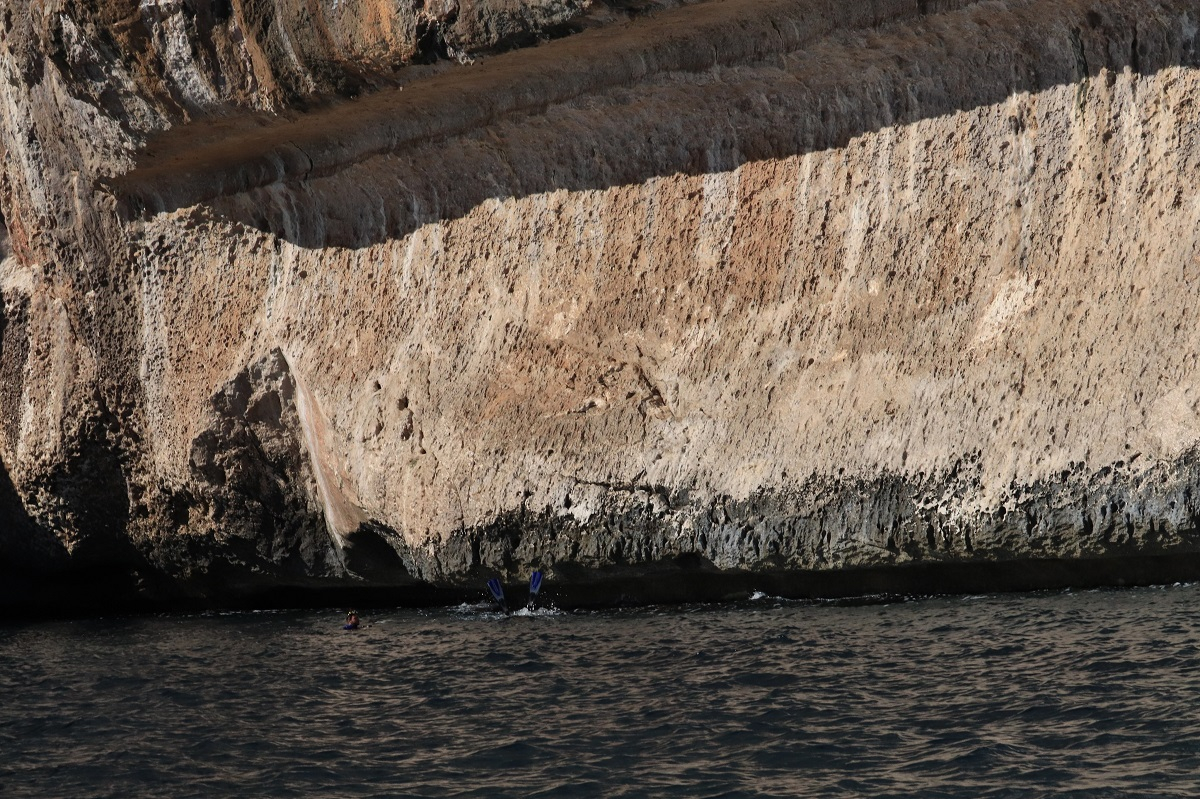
<point>1090,694</point>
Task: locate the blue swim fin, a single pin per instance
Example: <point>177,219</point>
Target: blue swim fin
<point>497,592</point>
<point>535,585</point>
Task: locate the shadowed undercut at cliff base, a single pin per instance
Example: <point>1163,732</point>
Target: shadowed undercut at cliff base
<point>729,296</point>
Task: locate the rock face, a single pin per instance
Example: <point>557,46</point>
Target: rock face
<point>672,301</point>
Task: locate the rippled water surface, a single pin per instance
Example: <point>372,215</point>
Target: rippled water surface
<point>1085,694</point>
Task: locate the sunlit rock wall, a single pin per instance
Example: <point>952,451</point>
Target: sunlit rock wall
<point>767,288</point>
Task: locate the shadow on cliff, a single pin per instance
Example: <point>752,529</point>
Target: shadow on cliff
<point>24,547</point>
<point>553,117</point>
<point>41,570</point>
<point>27,553</point>
<point>102,570</point>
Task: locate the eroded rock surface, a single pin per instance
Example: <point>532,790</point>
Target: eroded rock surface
<point>669,300</point>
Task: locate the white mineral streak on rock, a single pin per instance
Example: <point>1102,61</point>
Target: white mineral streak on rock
<point>157,366</point>
<point>342,515</point>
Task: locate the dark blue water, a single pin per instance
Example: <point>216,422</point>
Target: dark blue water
<point>1073,694</point>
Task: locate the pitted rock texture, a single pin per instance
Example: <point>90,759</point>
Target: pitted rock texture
<point>730,288</point>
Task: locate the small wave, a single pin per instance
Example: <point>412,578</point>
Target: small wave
<point>538,612</point>
<point>476,609</point>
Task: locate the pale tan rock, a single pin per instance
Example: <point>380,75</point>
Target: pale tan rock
<point>824,288</point>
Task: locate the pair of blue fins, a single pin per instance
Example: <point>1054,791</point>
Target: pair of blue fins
<point>497,591</point>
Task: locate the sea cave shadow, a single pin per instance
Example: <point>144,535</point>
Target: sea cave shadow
<point>90,491</point>
<point>104,570</point>
<point>21,541</point>
<point>336,190</point>
<point>27,551</point>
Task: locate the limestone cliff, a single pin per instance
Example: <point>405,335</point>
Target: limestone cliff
<point>671,300</point>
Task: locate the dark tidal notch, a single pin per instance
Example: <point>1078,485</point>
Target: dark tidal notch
<point>685,580</point>
<point>613,589</point>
